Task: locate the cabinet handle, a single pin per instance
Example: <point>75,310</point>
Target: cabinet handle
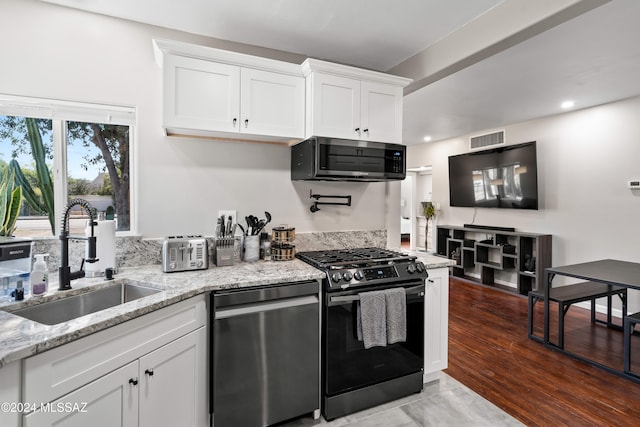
<point>234,122</point>
<point>246,123</point>
<point>133,381</point>
<point>149,372</point>
<point>357,131</point>
<point>430,280</point>
<point>366,131</point>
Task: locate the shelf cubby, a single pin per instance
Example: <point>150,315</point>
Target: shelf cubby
<point>487,250</point>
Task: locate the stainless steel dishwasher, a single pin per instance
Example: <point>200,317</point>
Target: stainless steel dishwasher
<point>265,354</point>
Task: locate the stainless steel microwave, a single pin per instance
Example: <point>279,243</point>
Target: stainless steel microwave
<point>333,159</point>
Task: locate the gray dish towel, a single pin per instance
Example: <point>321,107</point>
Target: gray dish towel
<point>372,319</point>
<point>396,302</point>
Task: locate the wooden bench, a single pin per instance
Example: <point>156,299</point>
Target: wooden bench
<point>565,296</point>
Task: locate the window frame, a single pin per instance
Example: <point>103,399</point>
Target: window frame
<point>60,112</point>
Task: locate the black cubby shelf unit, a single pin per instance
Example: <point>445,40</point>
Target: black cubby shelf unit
<point>486,250</point>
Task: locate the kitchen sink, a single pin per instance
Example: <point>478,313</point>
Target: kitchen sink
<point>62,310</point>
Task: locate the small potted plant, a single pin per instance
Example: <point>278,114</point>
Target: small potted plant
<point>430,210</point>
<point>10,203</point>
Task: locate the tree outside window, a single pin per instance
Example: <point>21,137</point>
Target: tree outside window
<point>97,169</point>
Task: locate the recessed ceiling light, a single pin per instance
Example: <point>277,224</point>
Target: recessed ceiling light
<point>567,104</point>
<point>427,138</point>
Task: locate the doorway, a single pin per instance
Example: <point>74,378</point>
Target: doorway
<point>416,188</point>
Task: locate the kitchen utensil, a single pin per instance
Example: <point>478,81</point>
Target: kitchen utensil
<point>259,226</point>
<point>228,227</point>
<point>248,220</point>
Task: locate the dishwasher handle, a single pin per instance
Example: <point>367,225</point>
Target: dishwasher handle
<point>236,297</point>
<point>261,307</point>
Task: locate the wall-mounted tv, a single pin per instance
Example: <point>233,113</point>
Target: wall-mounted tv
<point>505,177</point>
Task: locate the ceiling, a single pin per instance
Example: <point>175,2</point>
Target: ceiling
<point>592,59</point>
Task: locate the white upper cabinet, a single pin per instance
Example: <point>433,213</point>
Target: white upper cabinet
<point>381,112</point>
<point>271,103</point>
<point>200,95</point>
<point>347,102</point>
<point>335,106</point>
<point>217,93</point>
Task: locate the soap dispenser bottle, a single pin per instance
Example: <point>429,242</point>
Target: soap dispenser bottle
<point>19,292</point>
<point>39,276</point>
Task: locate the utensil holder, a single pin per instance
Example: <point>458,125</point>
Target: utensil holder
<point>251,248</point>
<point>225,256</point>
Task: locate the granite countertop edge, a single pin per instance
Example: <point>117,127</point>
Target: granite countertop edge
<point>21,338</point>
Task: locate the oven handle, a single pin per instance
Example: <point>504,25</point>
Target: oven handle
<point>348,298</point>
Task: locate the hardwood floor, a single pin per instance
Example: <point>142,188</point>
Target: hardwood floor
<point>489,352</point>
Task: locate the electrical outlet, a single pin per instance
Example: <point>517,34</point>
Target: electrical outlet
<point>226,214</point>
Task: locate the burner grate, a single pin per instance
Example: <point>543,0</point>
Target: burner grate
<point>325,259</point>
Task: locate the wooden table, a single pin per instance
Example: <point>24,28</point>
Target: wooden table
<point>608,271</point>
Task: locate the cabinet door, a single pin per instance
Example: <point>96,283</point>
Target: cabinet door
<point>10,392</point>
<point>436,328</point>
<point>381,112</point>
<point>200,95</point>
<point>335,107</point>
<point>109,401</point>
<point>173,386</point>
<point>271,103</point>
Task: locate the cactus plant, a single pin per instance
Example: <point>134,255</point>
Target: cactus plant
<point>45,183</point>
<point>10,203</point>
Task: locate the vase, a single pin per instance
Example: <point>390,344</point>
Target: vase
<point>426,235</point>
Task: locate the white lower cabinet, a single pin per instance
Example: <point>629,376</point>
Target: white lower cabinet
<point>173,390</point>
<point>436,322</point>
<point>108,401</point>
<point>149,371</point>
<point>10,393</point>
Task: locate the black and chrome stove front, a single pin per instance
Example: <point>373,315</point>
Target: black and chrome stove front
<point>355,378</point>
<point>362,267</point>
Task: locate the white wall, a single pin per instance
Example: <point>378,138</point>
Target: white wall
<point>585,159</point>
<point>61,53</point>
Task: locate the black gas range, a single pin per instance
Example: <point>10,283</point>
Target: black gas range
<point>360,267</point>
<point>355,377</point>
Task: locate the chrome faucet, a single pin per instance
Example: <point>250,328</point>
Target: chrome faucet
<point>64,271</point>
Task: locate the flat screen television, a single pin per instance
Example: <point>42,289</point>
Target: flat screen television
<point>505,177</point>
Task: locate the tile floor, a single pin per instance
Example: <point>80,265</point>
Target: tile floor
<point>444,402</point>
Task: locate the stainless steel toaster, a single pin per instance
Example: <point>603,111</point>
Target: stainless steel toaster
<point>184,253</point>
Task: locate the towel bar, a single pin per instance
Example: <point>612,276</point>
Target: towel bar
<point>347,298</point>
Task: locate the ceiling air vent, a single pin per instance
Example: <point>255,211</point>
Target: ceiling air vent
<point>482,141</point>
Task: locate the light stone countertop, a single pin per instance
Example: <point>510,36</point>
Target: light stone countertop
<point>20,337</point>
<point>429,259</point>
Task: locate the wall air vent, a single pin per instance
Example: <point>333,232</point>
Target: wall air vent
<point>482,141</point>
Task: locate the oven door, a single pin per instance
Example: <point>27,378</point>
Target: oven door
<point>347,364</point>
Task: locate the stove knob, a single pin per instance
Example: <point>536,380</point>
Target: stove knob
<point>419,267</point>
<point>357,275</point>
<point>336,277</point>
<point>347,276</point>
<point>411,268</point>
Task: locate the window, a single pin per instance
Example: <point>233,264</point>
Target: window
<point>83,151</point>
